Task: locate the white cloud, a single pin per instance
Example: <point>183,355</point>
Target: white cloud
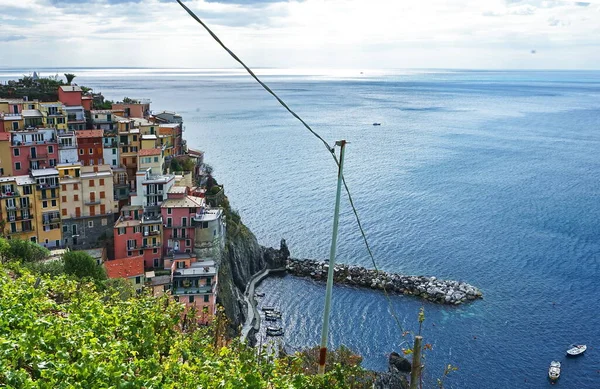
<point>310,33</point>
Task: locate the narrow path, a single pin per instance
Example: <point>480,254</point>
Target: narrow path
<point>252,315</point>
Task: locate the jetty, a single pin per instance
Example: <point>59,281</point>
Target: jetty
<point>429,288</point>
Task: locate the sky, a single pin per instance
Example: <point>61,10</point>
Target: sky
<point>355,34</point>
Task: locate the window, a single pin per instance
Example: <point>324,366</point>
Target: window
<point>155,159</point>
<point>54,203</point>
<point>191,299</point>
<point>16,152</point>
<point>17,165</point>
<point>81,151</point>
<point>141,252</point>
<point>138,279</point>
<point>102,194</point>
<point>65,228</point>
<point>156,263</point>
<point>27,189</point>
<point>121,231</point>
<point>91,151</point>
<point>64,212</point>
<point>63,186</point>
<point>90,223</point>
<point>188,242</point>
<point>114,162</point>
<point>76,197</point>
<point>92,183</point>
<point>101,181</point>
<point>169,211</point>
<point>76,186</point>
<point>184,221</point>
<point>50,149</point>
<point>169,222</point>
<point>154,251</point>
<point>44,204</point>
<point>104,222</point>
<point>129,253</point>
<point>206,297</point>
<point>102,209</point>
<point>64,199</point>
<point>114,151</point>
<point>136,229</point>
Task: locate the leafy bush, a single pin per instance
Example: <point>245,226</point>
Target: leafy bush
<point>81,265</point>
<point>22,250</point>
<point>61,333</point>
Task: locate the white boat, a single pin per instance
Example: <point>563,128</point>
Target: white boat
<point>554,371</point>
<point>576,349</point>
<point>268,309</point>
<point>272,315</point>
<point>274,331</point>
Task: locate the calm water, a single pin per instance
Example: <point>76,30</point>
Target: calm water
<point>488,177</point>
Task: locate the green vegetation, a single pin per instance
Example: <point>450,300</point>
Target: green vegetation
<point>69,77</point>
<point>59,333</point>
<point>80,264</point>
<point>43,89</point>
<point>22,250</point>
<point>182,164</point>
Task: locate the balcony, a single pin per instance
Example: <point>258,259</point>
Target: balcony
<point>193,290</point>
<point>48,185</point>
<point>92,202</point>
<point>7,194</point>
<point>131,247</point>
<point>48,196</point>
<point>38,157</point>
<point>110,145</point>
<point>151,245</point>
<point>22,231</point>
<point>19,218</point>
<point>52,220</point>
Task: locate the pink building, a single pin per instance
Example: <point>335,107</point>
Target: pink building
<point>70,95</point>
<point>194,284</point>
<point>128,233</point>
<point>177,213</point>
<point>34,149</point>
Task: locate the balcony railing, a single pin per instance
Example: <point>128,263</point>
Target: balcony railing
<point>48,196</point>
<point>22,231</point>
<point>51,220</point>
<point>38,157</point>
<point>7,193</point>
<point>92,202</point>
<point>19,218</point>
<point>48,186</point>
<point>193,290</point>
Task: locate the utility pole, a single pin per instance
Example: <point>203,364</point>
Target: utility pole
<point>415,371</point>
<point>336,219</point>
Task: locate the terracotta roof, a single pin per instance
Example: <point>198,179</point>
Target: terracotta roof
<point>89,133</point>
<point>125,268</point>
<point>145,152</point>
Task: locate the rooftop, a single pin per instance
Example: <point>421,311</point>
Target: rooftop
<point>185,202</point>
<point>32,113</point>
<point>170,125</point>
<point>208,215</point>
<point>90,133</point>
<point>126,222</point>
<point>149,136</point>
<point>146,152</point>
<point>24,180</point>
<point>178,189</point>
<point>70,88</point>
<point>125,268</point>
<point>44,172</point>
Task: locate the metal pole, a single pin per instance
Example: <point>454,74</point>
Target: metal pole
<point>336,219</point>
<point>415,371</point>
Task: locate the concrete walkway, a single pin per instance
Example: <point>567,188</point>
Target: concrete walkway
<point>252,315</point>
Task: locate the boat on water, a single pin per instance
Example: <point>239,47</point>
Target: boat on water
<point>272,315</point>
<point>259,294</point>
<point>268,309</point>
<point>377,124</point>
<point>274,331</point>
<point>554,370</point>
<point>576,349</point>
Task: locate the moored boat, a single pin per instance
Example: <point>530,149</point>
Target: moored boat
<point>377,124</point>
<point>272,315</point>
<point>274,331</point>
<point>576,349</point>
<point>267,309</point>
<point>554,370</point>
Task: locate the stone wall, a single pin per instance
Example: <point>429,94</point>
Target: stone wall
<point>428,288</point>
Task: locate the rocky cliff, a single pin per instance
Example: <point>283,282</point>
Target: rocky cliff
<point>241,258</point>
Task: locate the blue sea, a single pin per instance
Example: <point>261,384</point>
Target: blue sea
<point>489,177</point>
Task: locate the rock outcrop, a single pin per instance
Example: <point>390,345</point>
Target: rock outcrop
<point>428,288</point>
<point>241,258</point>
<point>397,375</point>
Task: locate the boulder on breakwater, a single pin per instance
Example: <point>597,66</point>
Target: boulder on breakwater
<point>428,288</point>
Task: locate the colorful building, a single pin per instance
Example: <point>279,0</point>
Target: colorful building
<point>134,108</point>
<point>67,146</point>
<point>33,149</point>
<point>194,284</point>
<point>47,210</point>
<point>151,189</point>
<point>152,159</point>
<point>11,115</point>
<point>103,120</point>
<point>53,115</point>
<point>89,147</point>
<point>17,204</point>
<point>6,165</point>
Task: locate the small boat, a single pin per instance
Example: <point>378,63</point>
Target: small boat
<point>554,371</point>
<point>259,294</point>
<point>274,331</point>
<point>377,124</point>
<point>272,315</point>
<point>576,349</point>
<point>267,309</point>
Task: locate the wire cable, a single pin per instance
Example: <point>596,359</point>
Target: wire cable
<point>329,148</point>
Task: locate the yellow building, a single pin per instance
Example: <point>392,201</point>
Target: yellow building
<point>6,166</point>
<point>18,207</point>
<point>153,159</point>
<point>148,142</point>
<point>47,209</point>
<point>54,115</point>
<point>11,114</point>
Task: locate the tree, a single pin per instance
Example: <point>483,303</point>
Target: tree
<point>69,77</point>
<point>24,250</point>
<point>81,265</point>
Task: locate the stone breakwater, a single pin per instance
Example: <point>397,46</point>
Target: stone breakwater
<point>428,288</point>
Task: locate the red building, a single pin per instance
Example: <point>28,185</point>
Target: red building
<point>70,95</point>
<point>177,213</point>
<point>89,147</point>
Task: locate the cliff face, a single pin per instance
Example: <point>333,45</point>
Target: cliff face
<point>241,258</point>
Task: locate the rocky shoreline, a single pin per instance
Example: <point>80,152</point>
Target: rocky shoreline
<point>428,288</point>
